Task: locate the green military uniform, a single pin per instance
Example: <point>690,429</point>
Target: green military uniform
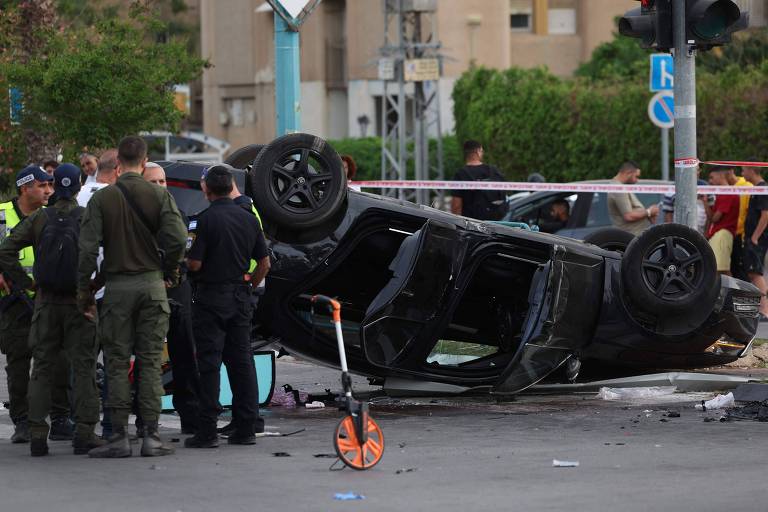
<point>57,327</point>
<point>135,311</point>
<point>14,334</point>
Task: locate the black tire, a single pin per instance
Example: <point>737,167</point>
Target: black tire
<point>298,181</point>
<point>670,270</point>
<point>244,157</point>
<point>610,239</point>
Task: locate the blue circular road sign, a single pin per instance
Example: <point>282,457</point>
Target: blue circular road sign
<point>661,109</point>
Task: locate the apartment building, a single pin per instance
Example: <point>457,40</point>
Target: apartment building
<point>340,50</point>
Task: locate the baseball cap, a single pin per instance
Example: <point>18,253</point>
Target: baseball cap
<point>67,180</point>
<point>219,169</point>
<point>31,173</point>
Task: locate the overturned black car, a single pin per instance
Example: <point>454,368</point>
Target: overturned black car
<point>447,303</point>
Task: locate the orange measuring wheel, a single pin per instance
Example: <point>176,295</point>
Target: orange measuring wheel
<point>355,452</point>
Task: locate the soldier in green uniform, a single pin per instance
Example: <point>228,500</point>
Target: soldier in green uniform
<point>34,187</point>
<point>144,239</point>
<point>57,327</point>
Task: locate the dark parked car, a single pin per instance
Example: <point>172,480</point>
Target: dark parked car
<point>442,300</point>
<point>589,210</point>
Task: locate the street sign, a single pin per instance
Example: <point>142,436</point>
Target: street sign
<point>661,109</point>
<point>422,70</point>
<point>293,7</point>
<point>15,104</point>
<point>662,72</point>
<point>386,68</point>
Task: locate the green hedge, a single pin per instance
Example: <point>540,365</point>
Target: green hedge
<point>367,155</point>
<point>574,129</point>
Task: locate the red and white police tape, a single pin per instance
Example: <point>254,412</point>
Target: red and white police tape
<point>524,186</point>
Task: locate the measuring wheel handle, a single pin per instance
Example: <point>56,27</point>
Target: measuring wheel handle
<point>332,304</point>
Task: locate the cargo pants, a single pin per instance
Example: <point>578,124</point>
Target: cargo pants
<point>134,320</point>
<point>60,330</point>
<point>14,343</point>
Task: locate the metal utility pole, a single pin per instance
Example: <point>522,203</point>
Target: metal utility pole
<point>289,15</point>
<point>665,154</point>
<point>686,163</point>
<point>410,69</point>
<point>287,77</point>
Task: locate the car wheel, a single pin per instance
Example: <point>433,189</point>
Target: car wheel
<point>670,270</point>
<point>610,239</point>
<point>298,181</point>
<point>243,158</point>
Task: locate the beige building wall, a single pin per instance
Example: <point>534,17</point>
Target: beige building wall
<point>340,49</point>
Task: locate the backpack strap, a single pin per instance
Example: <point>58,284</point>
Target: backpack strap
<point>135,208</point>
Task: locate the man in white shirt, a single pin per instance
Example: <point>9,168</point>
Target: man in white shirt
<point>89,164</point>
<point>106,174</point>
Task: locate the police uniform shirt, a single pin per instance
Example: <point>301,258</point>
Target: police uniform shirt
<point>227,238</point>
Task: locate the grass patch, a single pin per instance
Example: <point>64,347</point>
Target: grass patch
<point>759,342</point>
<point>461,348</point>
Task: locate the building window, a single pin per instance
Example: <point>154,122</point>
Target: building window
<point>562,17</point>
<point>521,15</point>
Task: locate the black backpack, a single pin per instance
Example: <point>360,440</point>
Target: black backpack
<point>57,252</point>
<point>490,204</point>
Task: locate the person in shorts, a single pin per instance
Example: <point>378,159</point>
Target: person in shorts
<point>756,237</point>
<point>725,219</point>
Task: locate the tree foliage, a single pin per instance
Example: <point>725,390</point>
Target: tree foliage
<point>367,155</point>
<point>574,129</point>
<point>89,85</point>
<point>584,127</point>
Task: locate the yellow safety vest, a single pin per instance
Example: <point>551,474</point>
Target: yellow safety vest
<point>254,263</point>
<point>8,220</point>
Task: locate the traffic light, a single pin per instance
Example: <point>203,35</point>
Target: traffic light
<point>711,23</point>
<point>651,23</point>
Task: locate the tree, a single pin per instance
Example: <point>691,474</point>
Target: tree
<point>622,59</point>
<point>88,86</point>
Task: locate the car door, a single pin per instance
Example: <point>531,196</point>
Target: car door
<point>404,312</point>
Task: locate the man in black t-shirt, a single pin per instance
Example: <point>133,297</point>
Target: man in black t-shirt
<point>478,204</point>
<point>756,237</point>
<point>228,237</point>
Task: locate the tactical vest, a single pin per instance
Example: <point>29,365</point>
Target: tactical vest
<point>8,220</point>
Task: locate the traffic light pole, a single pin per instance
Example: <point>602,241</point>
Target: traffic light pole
<point>686,162</point>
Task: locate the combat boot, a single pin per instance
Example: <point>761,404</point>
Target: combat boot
<point>38,447</point>
<point>153,445</point>
<point>62,429</point>
<point>20,432</point>
<point>118,446</point>
<point>86,441</point>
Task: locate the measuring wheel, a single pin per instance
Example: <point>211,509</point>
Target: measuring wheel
<point>356,451</point>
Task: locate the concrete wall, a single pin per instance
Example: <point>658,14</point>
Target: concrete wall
<point>560,53</point>
<point>595,21</point>
<point>474,29</point>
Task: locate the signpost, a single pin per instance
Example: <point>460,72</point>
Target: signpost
<point>661,108</point>
<point>289,15</point>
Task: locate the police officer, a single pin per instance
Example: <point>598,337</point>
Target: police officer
<point>245,203</point>
<point>144,240</point>
<point>181,340</point>
<point>227,239</point>
<point>34,187</point>
<point>57,327</point>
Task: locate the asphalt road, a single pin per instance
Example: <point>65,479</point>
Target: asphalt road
<point>441,454</point>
